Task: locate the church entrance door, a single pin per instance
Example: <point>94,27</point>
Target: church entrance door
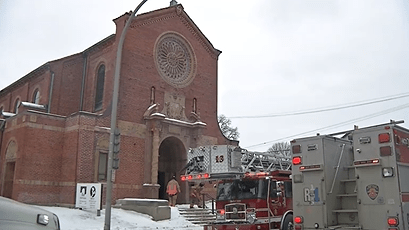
<point>172,158</point>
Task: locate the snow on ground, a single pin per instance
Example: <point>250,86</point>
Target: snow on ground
<point>75,219</point>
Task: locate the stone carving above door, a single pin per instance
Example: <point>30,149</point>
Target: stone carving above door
<point>174,106</point>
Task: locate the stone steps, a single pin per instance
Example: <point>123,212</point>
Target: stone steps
<point>200,216</point>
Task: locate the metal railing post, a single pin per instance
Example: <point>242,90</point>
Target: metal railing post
<point>336,171</point>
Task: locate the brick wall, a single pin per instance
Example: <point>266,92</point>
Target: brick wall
<point>60,149</point>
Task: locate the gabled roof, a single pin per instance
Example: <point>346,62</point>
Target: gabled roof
<point>141,19</point>
<point>46,66</point>
<point>176,11</point>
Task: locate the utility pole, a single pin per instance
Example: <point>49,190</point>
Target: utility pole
<point>107,225</point>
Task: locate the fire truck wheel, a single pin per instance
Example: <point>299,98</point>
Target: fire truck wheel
<point>288,222</point>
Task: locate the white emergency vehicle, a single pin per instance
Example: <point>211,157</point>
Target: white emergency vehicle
<point>355,181</point>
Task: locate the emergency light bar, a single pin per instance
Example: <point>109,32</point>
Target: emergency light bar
<point>311,167</point>
<point>195,177</point>
<point>367,162</point>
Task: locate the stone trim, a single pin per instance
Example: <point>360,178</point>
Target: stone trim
<point>44,183</point>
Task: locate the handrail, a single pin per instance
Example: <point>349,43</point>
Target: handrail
<point>336,171</point>
<point>203,200</point>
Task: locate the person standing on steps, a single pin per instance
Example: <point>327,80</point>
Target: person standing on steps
<point>173,189</point>
<point>196,196</point>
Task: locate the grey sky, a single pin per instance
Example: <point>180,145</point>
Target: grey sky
<point>277,56</point>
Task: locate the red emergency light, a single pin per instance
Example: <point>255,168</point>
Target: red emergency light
<point>393,221</point>
<point>297,160</point>
<point>384,138</point>
<point>195,177</point>
<point>298,219</point>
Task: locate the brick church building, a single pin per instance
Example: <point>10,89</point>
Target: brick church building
<point>55,121</point>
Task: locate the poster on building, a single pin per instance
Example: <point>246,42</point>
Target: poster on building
<point>88,196</point>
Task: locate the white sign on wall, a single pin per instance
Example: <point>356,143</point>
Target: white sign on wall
<point>88,196</point>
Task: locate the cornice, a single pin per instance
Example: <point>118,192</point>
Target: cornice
<point>37,72</point>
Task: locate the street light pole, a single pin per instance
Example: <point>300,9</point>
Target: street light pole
<point>107,225</point>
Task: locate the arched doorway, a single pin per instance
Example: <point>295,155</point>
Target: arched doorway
<point>11,155</point>
<point>172,158</point>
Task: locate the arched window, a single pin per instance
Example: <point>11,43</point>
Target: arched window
<point>16,105</point>
<point>99,94</point>
<point>36,97</point>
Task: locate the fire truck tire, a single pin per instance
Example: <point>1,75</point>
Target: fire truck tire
<point>288,223</point>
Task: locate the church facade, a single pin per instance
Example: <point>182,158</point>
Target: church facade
<point>55,121</point>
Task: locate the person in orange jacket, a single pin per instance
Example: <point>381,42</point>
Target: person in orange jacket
<point>173,189</point>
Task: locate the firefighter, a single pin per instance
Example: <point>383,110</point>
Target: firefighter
<point>196,196</point>
<point>172,189</point>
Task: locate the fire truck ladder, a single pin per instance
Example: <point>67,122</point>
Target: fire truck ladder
<point>265,162</point>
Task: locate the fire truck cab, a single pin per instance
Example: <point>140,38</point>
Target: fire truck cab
<point>356,181</point>
<point>254,190</point>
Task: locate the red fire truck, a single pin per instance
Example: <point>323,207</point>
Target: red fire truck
<point>353,179</point>
<point>254,190</point>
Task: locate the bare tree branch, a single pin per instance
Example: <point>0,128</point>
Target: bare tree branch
<point>225,126</point>
<point>280,148</point>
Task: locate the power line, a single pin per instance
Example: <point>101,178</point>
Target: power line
<point>338,107</point>
<point>336,125</point>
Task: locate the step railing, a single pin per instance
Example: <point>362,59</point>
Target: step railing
<point>337,168</point>
<point>204,195</point>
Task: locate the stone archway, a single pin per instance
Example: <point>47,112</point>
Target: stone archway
<point>172,158</point>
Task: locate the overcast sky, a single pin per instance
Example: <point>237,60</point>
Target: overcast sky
<point>278,57</point>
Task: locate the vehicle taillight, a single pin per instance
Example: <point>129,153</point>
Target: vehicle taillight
<point>222,211</point>
<point>384,138</point>
<point>190,177</point>
<point>298,219</point>
<point>393,221</point>
<point>183,178</point>
<point>385,151</point>
<point>297,160</point>
<point>296,149</point>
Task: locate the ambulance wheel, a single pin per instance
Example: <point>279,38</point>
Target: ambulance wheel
<point>288,223</point>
